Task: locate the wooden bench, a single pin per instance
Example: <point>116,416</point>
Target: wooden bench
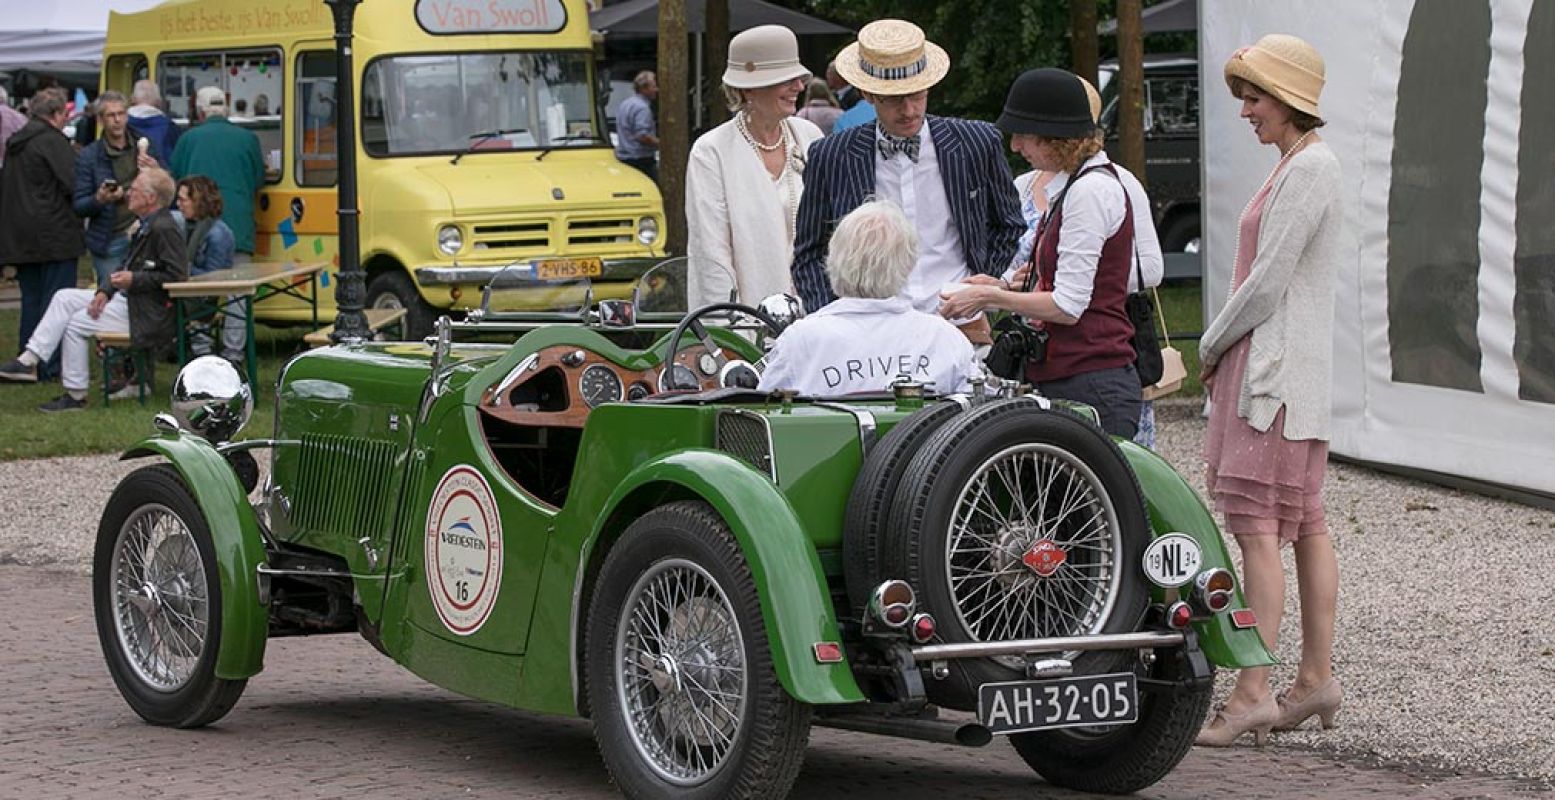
<point>377,320</point>
<point>116,348</point>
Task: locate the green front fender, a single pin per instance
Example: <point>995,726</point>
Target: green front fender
<point>795,603</point>
<point>245,623</point>
<point>1174,506</point>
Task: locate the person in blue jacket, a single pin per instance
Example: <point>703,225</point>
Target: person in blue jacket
<point>148,121</point>
<point>104,171</point>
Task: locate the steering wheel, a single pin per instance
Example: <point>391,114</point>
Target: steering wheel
<point>693,323</point>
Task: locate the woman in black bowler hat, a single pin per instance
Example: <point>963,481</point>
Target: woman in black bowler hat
<point>1076,283</point>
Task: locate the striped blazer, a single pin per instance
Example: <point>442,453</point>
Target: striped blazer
<point>840,176</point>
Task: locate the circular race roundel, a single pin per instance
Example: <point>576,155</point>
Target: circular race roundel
<point>463,550</point>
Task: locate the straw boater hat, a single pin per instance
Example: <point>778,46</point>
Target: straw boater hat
<point>765,55</point>
<point>1282,65</point>
<point>892,57</point>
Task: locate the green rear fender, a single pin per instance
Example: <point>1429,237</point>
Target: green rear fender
<point>245,623</point>
<point>1175,507</point>
<point>795,603</point>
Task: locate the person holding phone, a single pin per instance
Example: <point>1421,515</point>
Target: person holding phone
<point>103,170</point>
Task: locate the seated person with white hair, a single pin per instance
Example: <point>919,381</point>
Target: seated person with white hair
<point>871,334</point>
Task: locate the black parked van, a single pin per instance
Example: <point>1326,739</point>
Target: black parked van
<point>1171,150</point>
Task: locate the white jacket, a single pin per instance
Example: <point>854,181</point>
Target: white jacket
<point>858,345</point>
<point>738,219</point>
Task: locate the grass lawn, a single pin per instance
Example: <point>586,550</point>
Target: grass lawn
<point>26,432</point>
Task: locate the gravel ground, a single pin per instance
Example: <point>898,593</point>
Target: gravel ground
<point>1446,646</point>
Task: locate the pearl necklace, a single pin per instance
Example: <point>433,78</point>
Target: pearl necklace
<point>742,122</point>
<point>1237,253</point>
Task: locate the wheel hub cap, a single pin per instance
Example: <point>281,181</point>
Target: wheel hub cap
<point>1044,558</point>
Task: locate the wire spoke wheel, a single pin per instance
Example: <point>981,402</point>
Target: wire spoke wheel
<point>1033,547</point>
<point>683,679</point>
<point>159,603</point>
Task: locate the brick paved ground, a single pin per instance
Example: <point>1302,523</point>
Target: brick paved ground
<point>331,718</point>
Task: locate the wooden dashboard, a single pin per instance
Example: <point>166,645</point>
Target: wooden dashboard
<point>558,386</point>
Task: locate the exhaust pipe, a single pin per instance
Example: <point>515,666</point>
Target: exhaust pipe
<point>965,734</point>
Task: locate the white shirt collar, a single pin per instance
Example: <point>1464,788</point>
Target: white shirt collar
<point>1061,180</point>
<point>865,305</point>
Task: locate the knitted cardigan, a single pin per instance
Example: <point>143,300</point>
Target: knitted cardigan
<point>1287,301</point>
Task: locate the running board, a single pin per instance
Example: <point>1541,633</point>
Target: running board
<point>966,734</point>
<point>1057,644</point>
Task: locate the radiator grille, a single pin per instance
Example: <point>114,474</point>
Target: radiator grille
<point>511,236</point>
<point>585,232</point>
<point>345,486</point>
<point>745,436</point>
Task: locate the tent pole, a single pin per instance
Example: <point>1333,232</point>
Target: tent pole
<point>696,82</point>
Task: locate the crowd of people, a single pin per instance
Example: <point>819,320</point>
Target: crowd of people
<point>150,203</point>
<point>900,231</point>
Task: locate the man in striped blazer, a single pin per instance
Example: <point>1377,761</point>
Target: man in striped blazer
<point>948,175</point>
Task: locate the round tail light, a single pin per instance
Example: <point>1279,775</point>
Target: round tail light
<point>922,628</point>
<point>1179,615</point>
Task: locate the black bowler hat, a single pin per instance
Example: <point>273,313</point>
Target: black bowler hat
<point>1048,102</point>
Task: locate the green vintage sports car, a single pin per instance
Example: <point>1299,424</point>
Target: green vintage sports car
<point>600,517</point>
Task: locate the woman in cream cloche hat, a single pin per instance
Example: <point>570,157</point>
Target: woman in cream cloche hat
<point>1267,365</point>
<point>745,177</point>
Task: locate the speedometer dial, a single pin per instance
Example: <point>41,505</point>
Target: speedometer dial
<point>599,384</point>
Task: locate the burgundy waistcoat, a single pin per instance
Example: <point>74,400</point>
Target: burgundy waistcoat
<point>1103,338</point>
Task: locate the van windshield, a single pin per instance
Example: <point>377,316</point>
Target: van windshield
<point>463,102</point>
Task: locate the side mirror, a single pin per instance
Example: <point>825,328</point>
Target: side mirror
<point>784,309</point>
<point>617,314</point>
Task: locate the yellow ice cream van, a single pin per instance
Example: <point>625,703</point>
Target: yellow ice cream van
<point>480,140</point>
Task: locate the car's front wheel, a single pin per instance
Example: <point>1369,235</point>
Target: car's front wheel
<point>158,602</point>
<point>681,685</point>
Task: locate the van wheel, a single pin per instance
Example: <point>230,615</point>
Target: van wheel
<point>394,289</point>
<point>1182,234</point>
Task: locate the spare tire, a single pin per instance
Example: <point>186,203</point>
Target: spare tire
<point>874,495</point>
<point>1018,522</point>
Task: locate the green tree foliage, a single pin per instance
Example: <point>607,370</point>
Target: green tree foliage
<point>989,42</point>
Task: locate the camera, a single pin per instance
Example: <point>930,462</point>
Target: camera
<point>1015,345</point>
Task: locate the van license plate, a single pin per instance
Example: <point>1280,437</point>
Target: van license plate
<point>555,269</point>
<point>1090,700</point>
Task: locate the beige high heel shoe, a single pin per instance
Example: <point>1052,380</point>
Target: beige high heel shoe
<point>1322,702</point>
<point>1225,728</point>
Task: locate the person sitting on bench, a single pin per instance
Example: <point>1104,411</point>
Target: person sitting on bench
<point>134,300</point>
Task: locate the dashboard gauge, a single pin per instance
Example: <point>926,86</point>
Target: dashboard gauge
<point>678,377</point>
<point>599,384</point>
<point>638,391</point>
<point>708,364</point>
<point>738,374</point>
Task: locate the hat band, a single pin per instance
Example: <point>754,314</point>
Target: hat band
<point>752,66</point>
<point>894,73</point>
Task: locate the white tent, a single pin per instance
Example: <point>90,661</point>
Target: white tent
<point>1444,338</point>
<point>58,36</point>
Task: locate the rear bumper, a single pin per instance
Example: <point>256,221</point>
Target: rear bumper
<point>615,269</point>
<point>1060,644</point>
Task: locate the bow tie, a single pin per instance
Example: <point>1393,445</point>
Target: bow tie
<point>891,145</point>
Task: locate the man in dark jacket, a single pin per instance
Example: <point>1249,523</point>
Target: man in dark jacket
<point>147,121</point>
<point>104,170</point>
<point>39,232</point>
<point>133,300</point>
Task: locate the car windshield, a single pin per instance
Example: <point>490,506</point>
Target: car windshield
<point>476,102</point>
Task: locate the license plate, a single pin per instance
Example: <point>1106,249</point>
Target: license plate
<point>553,269</point>
<point>1090,700</point>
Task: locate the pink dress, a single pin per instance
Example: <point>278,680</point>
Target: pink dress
<point>1261,482</point>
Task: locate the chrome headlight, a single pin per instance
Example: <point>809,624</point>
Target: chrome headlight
<point>211,398</point>
<point>449,239</point>
<point>647,230</point>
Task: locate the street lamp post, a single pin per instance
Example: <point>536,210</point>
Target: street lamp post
<point>350,284</point>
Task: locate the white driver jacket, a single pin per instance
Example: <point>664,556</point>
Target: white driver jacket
<point>860,345</point>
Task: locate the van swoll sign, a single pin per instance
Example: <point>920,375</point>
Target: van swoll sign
<point>491,16</point>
